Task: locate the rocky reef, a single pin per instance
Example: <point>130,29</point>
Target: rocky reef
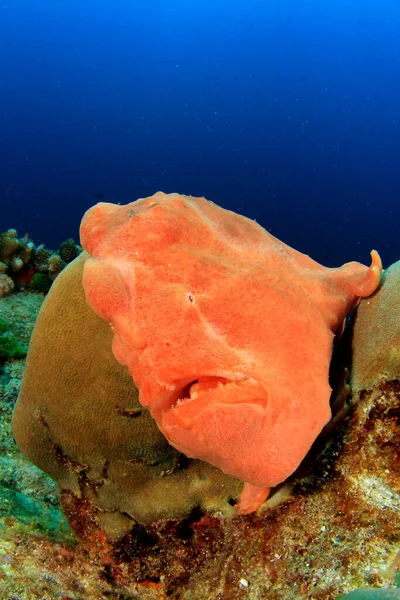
<point>152,524</point>
<point>25,265</point>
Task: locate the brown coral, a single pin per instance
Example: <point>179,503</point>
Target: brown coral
<point>6,285</point>
<point>376,347</point>
<point>55,265</point>
<point>69,250</point>
<point>9,245</point>
<point>20,260</point>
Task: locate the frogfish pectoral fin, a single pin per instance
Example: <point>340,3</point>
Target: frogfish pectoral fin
<point>366,282</point>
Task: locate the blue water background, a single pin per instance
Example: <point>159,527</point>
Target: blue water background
<point>287,111</point>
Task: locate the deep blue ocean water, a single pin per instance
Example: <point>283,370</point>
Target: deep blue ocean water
<point>287,111</point>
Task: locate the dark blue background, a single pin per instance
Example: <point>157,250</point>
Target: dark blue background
<point>285,110</point>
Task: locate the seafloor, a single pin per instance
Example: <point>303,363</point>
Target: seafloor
<point>335,529</point>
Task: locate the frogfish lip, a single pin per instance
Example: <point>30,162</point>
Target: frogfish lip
<point>215,387</point>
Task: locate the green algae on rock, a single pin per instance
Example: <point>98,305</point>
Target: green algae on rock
<point>41,282</point>
<point>10,346</point>
<point>372,594</point>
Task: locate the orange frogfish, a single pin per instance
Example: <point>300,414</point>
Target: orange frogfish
<point>226,331</point>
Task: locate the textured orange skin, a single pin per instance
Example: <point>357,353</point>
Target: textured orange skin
<point>226,331</point>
